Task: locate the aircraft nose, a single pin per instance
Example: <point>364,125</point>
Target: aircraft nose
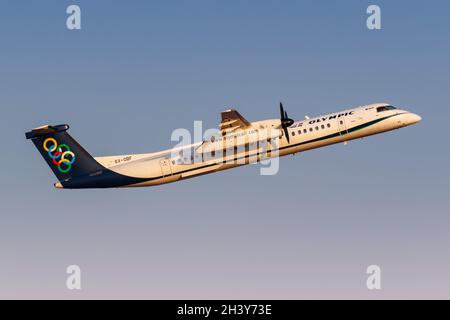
<point>409,118</point>
<point>414,118</point>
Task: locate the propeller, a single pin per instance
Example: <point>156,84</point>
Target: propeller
<point>286,122</point>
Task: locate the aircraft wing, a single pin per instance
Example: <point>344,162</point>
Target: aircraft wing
<point>232,120</point>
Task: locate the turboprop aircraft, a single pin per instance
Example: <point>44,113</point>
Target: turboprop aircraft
<point>237,143</point>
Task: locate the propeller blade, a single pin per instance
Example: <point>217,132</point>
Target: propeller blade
<point>281,111</point>
<point>286,133</point>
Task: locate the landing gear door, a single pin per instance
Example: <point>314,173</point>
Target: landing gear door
<point>166,169</point>
<point>342,126</point>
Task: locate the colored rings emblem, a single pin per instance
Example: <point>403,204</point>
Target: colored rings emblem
<point>61,155</point>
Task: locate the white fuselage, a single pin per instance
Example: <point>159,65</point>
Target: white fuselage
<point>263,139</point>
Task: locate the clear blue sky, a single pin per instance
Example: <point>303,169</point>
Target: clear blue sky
<point>139,69</point>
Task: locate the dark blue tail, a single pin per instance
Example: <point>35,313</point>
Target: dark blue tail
<point>66,157</point>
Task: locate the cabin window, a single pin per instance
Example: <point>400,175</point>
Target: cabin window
<point>317,128</point>
<point>322,126</point>
<point>341,122</point>
<point>328,125</point>
<point>385,108</point>
<point>311,129</point>
<point>304,130</point>
<point>213,153</point>
<point>293,133</point>
<point>299,131</point>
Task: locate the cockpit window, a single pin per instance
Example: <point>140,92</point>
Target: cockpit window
<point>385,108</point>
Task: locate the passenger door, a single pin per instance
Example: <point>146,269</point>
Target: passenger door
<point>342,126</point>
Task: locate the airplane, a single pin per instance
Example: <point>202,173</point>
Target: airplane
<point>237,142</point>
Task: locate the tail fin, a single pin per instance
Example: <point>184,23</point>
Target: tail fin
<point>66,157</point>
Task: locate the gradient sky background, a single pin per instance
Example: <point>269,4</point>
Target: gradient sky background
<point>139,69</point>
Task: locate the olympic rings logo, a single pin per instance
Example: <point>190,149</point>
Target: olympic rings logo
<point>61,155</point>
